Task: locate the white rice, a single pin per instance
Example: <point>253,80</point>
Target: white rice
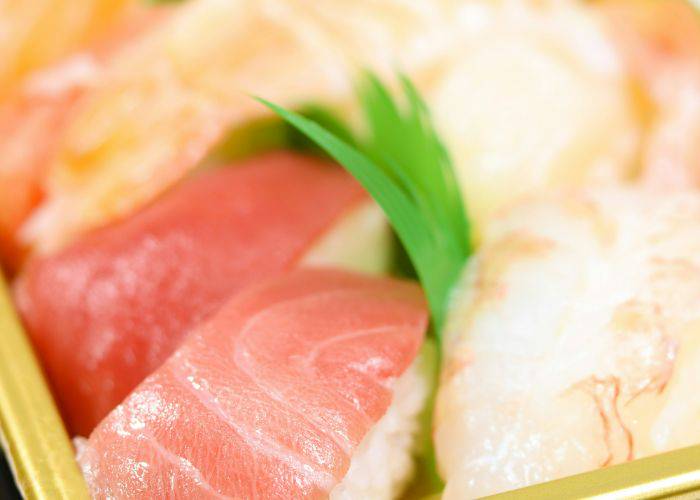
<point>384,462</point>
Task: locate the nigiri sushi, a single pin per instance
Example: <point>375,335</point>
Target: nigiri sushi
<point>305,386</point>
<point>33,118</point>
<point>527,95</point>
<point>107,310</point>
<point>660,46</point>
<point>572,341</point>
<point>40,32</point>
<point>533,95</point>
<point>165,104</point>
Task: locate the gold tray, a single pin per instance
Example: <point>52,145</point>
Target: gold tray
<point>44,466</point>
<point>31,431</point>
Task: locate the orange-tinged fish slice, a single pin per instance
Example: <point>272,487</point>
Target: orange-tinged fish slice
<point>29,131</point>
<point>269,398</point>
<point>34,33</point>
<point>661,44</point>
<point>162,106</point>
<point>106,311</point>
<point>33,120</point>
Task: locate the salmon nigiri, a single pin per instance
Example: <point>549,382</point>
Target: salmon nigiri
<point>39,32</point>
<point>306,386</point>
<point>106,311</point>
<point>33,119</point>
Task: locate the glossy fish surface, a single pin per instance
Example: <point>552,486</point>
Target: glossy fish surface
<point>269,398</point>
<point>108,310</point>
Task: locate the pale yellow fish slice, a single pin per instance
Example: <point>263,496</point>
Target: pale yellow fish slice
<point>32,433</point>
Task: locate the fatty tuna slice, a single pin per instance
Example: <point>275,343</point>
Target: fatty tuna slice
<point>269,398</point>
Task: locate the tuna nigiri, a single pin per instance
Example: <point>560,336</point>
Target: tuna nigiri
<point>306,386</point>
<point>106,311</point>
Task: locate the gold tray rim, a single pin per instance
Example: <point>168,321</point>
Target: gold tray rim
<point>32,434</point>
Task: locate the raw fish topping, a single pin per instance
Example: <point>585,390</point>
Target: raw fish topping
<point>269,398</point>
<point>108,310</point>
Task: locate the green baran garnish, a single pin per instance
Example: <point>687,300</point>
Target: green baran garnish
<point>404,166</point>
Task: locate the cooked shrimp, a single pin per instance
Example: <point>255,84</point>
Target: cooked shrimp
<point>660,44</point>
<point>573,341</point>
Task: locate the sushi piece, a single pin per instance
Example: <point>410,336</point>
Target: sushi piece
<point>306,386</point>
<point>572,342</point>
<point>527,95</point>
<point>109,309</point>
<point>40,32</point>
<point>166,103</point>
<point>33,119</point>
<point>534,95</point>
<point>660,45</point>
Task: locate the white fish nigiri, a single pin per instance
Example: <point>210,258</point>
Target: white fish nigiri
<point>535,95</point>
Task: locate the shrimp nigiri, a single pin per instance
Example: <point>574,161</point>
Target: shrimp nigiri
<point>573,340</point>
<point>660,45</point>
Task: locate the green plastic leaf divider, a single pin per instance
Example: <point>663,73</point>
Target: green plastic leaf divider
<point>404,166</point>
